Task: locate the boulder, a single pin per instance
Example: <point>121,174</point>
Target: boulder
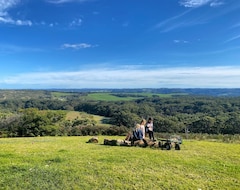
<point>110,142</point>
<point>93,140</point>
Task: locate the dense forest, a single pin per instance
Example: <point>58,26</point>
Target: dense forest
<point>45,114</point>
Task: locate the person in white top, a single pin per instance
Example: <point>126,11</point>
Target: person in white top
<point>150,128</point>
<point>142,127</point>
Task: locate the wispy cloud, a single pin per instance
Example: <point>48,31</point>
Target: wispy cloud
<point>77,46</point>
<point>178,21</point>
<point>76,22</point>
<point>5,18</point>
<point>198,3</point>
<point>184,20</point>
<point>67,1</point>
<point>196,77</point>
<point>216,3</point>
<point>235,25</point>
<point>162,23</point>
<point>206,53</point>
<point>181,41</point>
<point>232,39</point>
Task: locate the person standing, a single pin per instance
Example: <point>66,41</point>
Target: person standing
<point>142,127</point>
<point>150,128</point>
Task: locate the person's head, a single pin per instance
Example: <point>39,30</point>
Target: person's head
<point>143,122</point>
<point>137,126</point>
<point>150,120</point>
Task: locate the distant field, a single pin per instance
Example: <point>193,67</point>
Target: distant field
<point>100,120</point>
<point>125,96</point>
<point>62,95</point>
<point>71,163</point>
<point>108,97</point>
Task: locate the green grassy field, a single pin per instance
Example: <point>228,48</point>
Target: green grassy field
<point>100,120</point>
<point>107,96</point>
<point>71,163</point>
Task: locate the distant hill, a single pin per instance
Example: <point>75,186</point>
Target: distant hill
<point>191,91</point>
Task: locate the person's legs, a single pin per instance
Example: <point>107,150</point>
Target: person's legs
<point>151,136</point>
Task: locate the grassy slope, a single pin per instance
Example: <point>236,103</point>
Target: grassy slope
<point>71,115</point>
<point>70,163</point>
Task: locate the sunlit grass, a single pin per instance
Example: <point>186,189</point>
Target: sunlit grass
<point>105,96</point>
<point>71,163</point>
<point>100,120</point>
<point>108,97</point>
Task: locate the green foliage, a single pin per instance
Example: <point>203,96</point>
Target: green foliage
<point>32,122</point>
<point>172,113</point>
<point>71,163</point>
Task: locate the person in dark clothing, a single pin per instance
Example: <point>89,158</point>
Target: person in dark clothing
<point>137,134</point>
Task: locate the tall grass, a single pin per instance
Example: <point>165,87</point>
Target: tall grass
<point>71,163</point>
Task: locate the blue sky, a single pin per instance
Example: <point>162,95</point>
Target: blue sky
<point>119,44</point>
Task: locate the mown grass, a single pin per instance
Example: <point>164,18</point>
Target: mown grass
<point>71,163</point>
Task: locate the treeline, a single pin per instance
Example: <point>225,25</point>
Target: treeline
<point>194,114</point>
<point>32,122</point>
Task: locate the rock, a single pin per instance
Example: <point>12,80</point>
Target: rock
<point>110,142</point>
<point>93,140</point>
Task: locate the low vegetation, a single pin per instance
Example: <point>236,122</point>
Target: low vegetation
<point>71,163</point>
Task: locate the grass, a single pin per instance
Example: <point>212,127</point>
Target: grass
<point>108,97</point>
<point>100,120</point>
<point>105,96</point>
<point>71,163</point>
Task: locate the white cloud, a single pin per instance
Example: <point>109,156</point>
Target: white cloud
<point>216,4</point>
<point>188,77</point>
<point>77,46</point>
<point>198,3</point>
<point>169,20</point>
<point>76,22</point>
<point>66,1</point>
<point>179,21</point>
<point>181,41</point>
<point>193,3</point>
<point>232,39</point>
<point>5,5</point>
<point>184,20</point>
